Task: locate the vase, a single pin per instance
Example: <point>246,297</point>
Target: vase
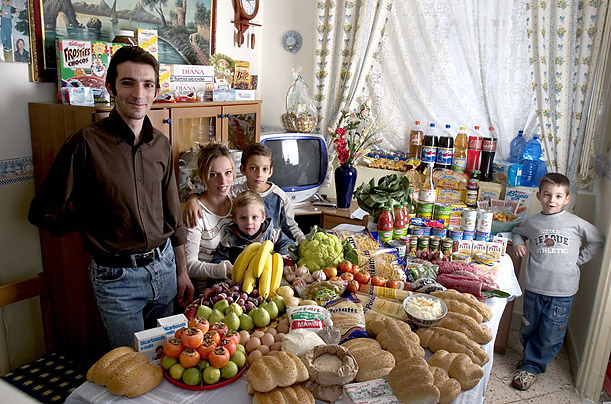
<point>345,180</point>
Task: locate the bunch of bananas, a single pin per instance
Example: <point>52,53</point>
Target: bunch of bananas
<point>258,261</point>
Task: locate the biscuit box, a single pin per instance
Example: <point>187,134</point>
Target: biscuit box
<point>147,40</point>
<point>150,343</point>
<point>186,78</point>
<point>172,323</point>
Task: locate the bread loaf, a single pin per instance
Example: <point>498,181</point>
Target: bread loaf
<point>412,382</point>
<point>459,366</point>
<point>398,338</point>
<point>125,372</point>
<point>285,395</point>
<point>467,299</point>
<point>449,388</point>
<point>279,370</point>
<point>372,360</point>
<point>436,338</point>
<point>467,325</point>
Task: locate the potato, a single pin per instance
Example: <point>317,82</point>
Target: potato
<point>291,301</point>
<point>308,303</point>
<point>285,292</point>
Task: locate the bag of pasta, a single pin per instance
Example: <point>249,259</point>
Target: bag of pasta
<point>300,113</point>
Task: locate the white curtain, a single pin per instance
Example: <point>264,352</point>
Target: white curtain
<point>463,63</point>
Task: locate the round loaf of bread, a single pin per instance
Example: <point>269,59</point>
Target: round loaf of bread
<point>373,362</point>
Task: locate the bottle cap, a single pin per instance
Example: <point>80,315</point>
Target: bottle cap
<point>124,32</point>
<point>463,128</point>
<point>491,128</point>
<point>477,128</point>
<point>447,126</point>
<point>432,125</point>
<point>417,122</point>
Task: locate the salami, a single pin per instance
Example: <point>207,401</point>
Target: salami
<point>461,283</point>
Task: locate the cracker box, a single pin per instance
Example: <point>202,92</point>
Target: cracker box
<point>172,323</point>
<point>150,343</point>
<point>147,40</point>
<point>186,78</point>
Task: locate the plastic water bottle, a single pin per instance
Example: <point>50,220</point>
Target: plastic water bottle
<point>517,148</point>
<point>530,165</point>
<point>541,170</point>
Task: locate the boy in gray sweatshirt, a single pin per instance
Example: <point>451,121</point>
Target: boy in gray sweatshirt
<point>552,274</point>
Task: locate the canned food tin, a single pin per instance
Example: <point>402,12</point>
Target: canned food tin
<point>481,236</point>
<point>484,221</point>
<point>423,243</point>
<point>468,235</point>
<point>426,231</point>
<point>434,243</point>
<point>455,233</point>
<point>461,257</point>
<point>424,210</point>
<point>442,212</point>
<point>468,219</point>
<point>413,245</point>
<point>415,230</point>
<point>399,245</point>
<point>447,245</point>
<point>436,231</point>
<point>406,238</point>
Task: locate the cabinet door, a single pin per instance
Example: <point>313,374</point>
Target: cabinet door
<point>160,118</point>
<point>191,127</point>
<point>241,125</point>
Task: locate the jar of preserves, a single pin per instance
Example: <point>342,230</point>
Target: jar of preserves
<point>126,37</point>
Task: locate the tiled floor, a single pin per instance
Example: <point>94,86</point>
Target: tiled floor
<point>554,386</point>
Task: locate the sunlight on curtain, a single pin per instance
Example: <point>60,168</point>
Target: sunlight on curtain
<point>459,63</point>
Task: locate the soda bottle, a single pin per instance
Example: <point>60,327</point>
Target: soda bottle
<point>428,193</point>
<point>415,141</point>
<point>385,225</point>
<point>459,160</point>
<point>429,146</point>
<point>472,189</point>
<point>474,151</point>
<point>445,150</point>
<point>530,165</point>
<point>400,223</point>
<point>516,148</point>
<point>488,151</point>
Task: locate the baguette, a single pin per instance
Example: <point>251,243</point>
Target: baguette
<point>466,298</point>
<point>459,366</point>
<point>467,325</point>
<point>279,370</point>
<point>285,395</point>
<point>436,338</point>
<point>373,362</point>
<point>449,388</point>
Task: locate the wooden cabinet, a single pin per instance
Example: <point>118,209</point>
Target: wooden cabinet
<point>77,326</point>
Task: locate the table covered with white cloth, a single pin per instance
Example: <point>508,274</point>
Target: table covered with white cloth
<point>237,392</point>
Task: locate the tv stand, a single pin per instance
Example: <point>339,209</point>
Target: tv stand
<point>326,217</point>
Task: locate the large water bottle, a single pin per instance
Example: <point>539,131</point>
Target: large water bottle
<point>517,148</point>
<point>530,165</point>
<point>541,170</point>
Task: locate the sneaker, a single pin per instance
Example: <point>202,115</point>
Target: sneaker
<point>523,380</point>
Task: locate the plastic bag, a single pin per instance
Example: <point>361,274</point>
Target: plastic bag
<point>300,113</point>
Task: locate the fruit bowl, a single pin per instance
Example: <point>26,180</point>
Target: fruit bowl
<point>418,320</point>
<point>220,383</point>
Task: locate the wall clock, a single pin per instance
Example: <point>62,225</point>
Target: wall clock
<point>245,10</point>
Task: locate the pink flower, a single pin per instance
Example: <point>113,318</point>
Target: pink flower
<point>365,112</point>
<point>353,116</point>
<point>340,131</point>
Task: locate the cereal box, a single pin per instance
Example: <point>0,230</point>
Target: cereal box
<point>150,343</point>
<point>147,40</point>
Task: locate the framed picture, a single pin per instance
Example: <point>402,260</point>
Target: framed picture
<point>186,28</point>
<point>15,32</point>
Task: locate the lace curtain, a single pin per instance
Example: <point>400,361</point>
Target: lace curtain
<point>463,63</point>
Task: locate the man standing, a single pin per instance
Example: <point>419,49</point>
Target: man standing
<point>114,182</point>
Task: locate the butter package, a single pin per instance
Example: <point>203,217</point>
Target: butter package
<point>147,40</point>
<point>490,190</point>
<point>186,79</point>
<point>172,323</point>
<point>495,248</point>
<point>478,247</point>
<point>464,246</point>
<point>358,392</point>
<point>150,343</point>
<point>503,241</point>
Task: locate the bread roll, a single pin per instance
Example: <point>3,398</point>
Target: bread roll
<point>412,382</point>
<point>466,298</point>
<point>106,364</point>
<point>398,338</point>
<point>459,366</point>
<point>449,388</point>
<point>285,395</point>
<point>467,325</point>
<point>279,370</point>
<point>436,338</point>
<point>372,360</point>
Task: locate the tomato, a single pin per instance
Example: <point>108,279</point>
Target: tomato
<point>353,286</point>
<point>334,279</point>
<point>330,272</point>
<point>219,357</point>
<point>213,335</point>
<point>362,276</point>
<point>345,266</point>
<point>178,333</point>
<point>200,324</point>
<point>220,327</point>
<point>378,281</point>
<point>231,334</point>
<point>173,348</point>
<point>229,344</point>
<point>392,284</point>
<point>192,338</point>
<point>346,276</point>
<point>207,346</point>
<point>189,358</point>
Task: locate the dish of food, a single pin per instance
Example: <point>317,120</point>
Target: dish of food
<point>424,310</point>
<point>220,383</point>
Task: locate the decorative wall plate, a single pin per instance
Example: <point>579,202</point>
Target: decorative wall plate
<point>292,41</point>
<point>222,64</point>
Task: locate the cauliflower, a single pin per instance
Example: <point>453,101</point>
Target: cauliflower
<point>323,251</point>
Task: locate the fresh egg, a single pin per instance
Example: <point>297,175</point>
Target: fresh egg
<point>272,331</point>
<point>268,339</point>
<point>253,344</point>
<point>279,337</point>
<point>264,349</point>
<point>256,354</point>
<point>276,346</point>
<point>244,337</point>
<point>258,334</point>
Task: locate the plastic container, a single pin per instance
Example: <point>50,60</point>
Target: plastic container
<point>541,170</point>
<point>445,149</point>
<point>459,160</point>
<point>516,148</point>
<point>488,152</point>
<point>530,165</point>
<point>415,141</point>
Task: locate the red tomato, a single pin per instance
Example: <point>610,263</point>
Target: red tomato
<point>213,335</point>
<point>378,281</point>
<point>207,346</point>
<point>200,324</point>
<point>229,344</point>
<point>334,279</point>
<point>362,276</point>
<point>189,358</point>
<point>347,276</point>
<point>345,266</point>
<point>330,272</point>
<point>219,357</point>
<point>173,348</point>
<point>231,334</point>
<point>352,286</point>
<point>178,333</point>
<point>220,327</point>
<point>392,284</point>
<point>192,338</point>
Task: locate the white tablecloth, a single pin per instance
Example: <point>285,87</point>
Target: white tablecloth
<point>237,392</point>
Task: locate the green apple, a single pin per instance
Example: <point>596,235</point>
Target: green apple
<point>203,311</point>
<point>240,348</point>
<point>271,308</point>
<point>192,377</point>
<point>261,318</point>
<point>232,320</point>
<point>279,300</point>
<point>203,364</point>
<point>176,371</point>
<point>216,316</point>
<point>221,305</point>
<point>167,362</point>
<point>211,375</point>
<point>229,370</point>
<point>246,322</point>
<point>239,358</point>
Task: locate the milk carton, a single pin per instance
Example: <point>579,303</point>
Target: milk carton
<point>150,343</point>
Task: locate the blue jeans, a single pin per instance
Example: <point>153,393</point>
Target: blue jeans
<point>6,29</point>
<point>132,299</point>
<point>543,328</point>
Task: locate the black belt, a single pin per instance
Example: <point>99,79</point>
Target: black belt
<point>128,261</point>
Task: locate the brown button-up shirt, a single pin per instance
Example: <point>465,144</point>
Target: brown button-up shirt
<point>122,197</point>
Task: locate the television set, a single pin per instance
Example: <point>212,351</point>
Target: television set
<point>300,163</point>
